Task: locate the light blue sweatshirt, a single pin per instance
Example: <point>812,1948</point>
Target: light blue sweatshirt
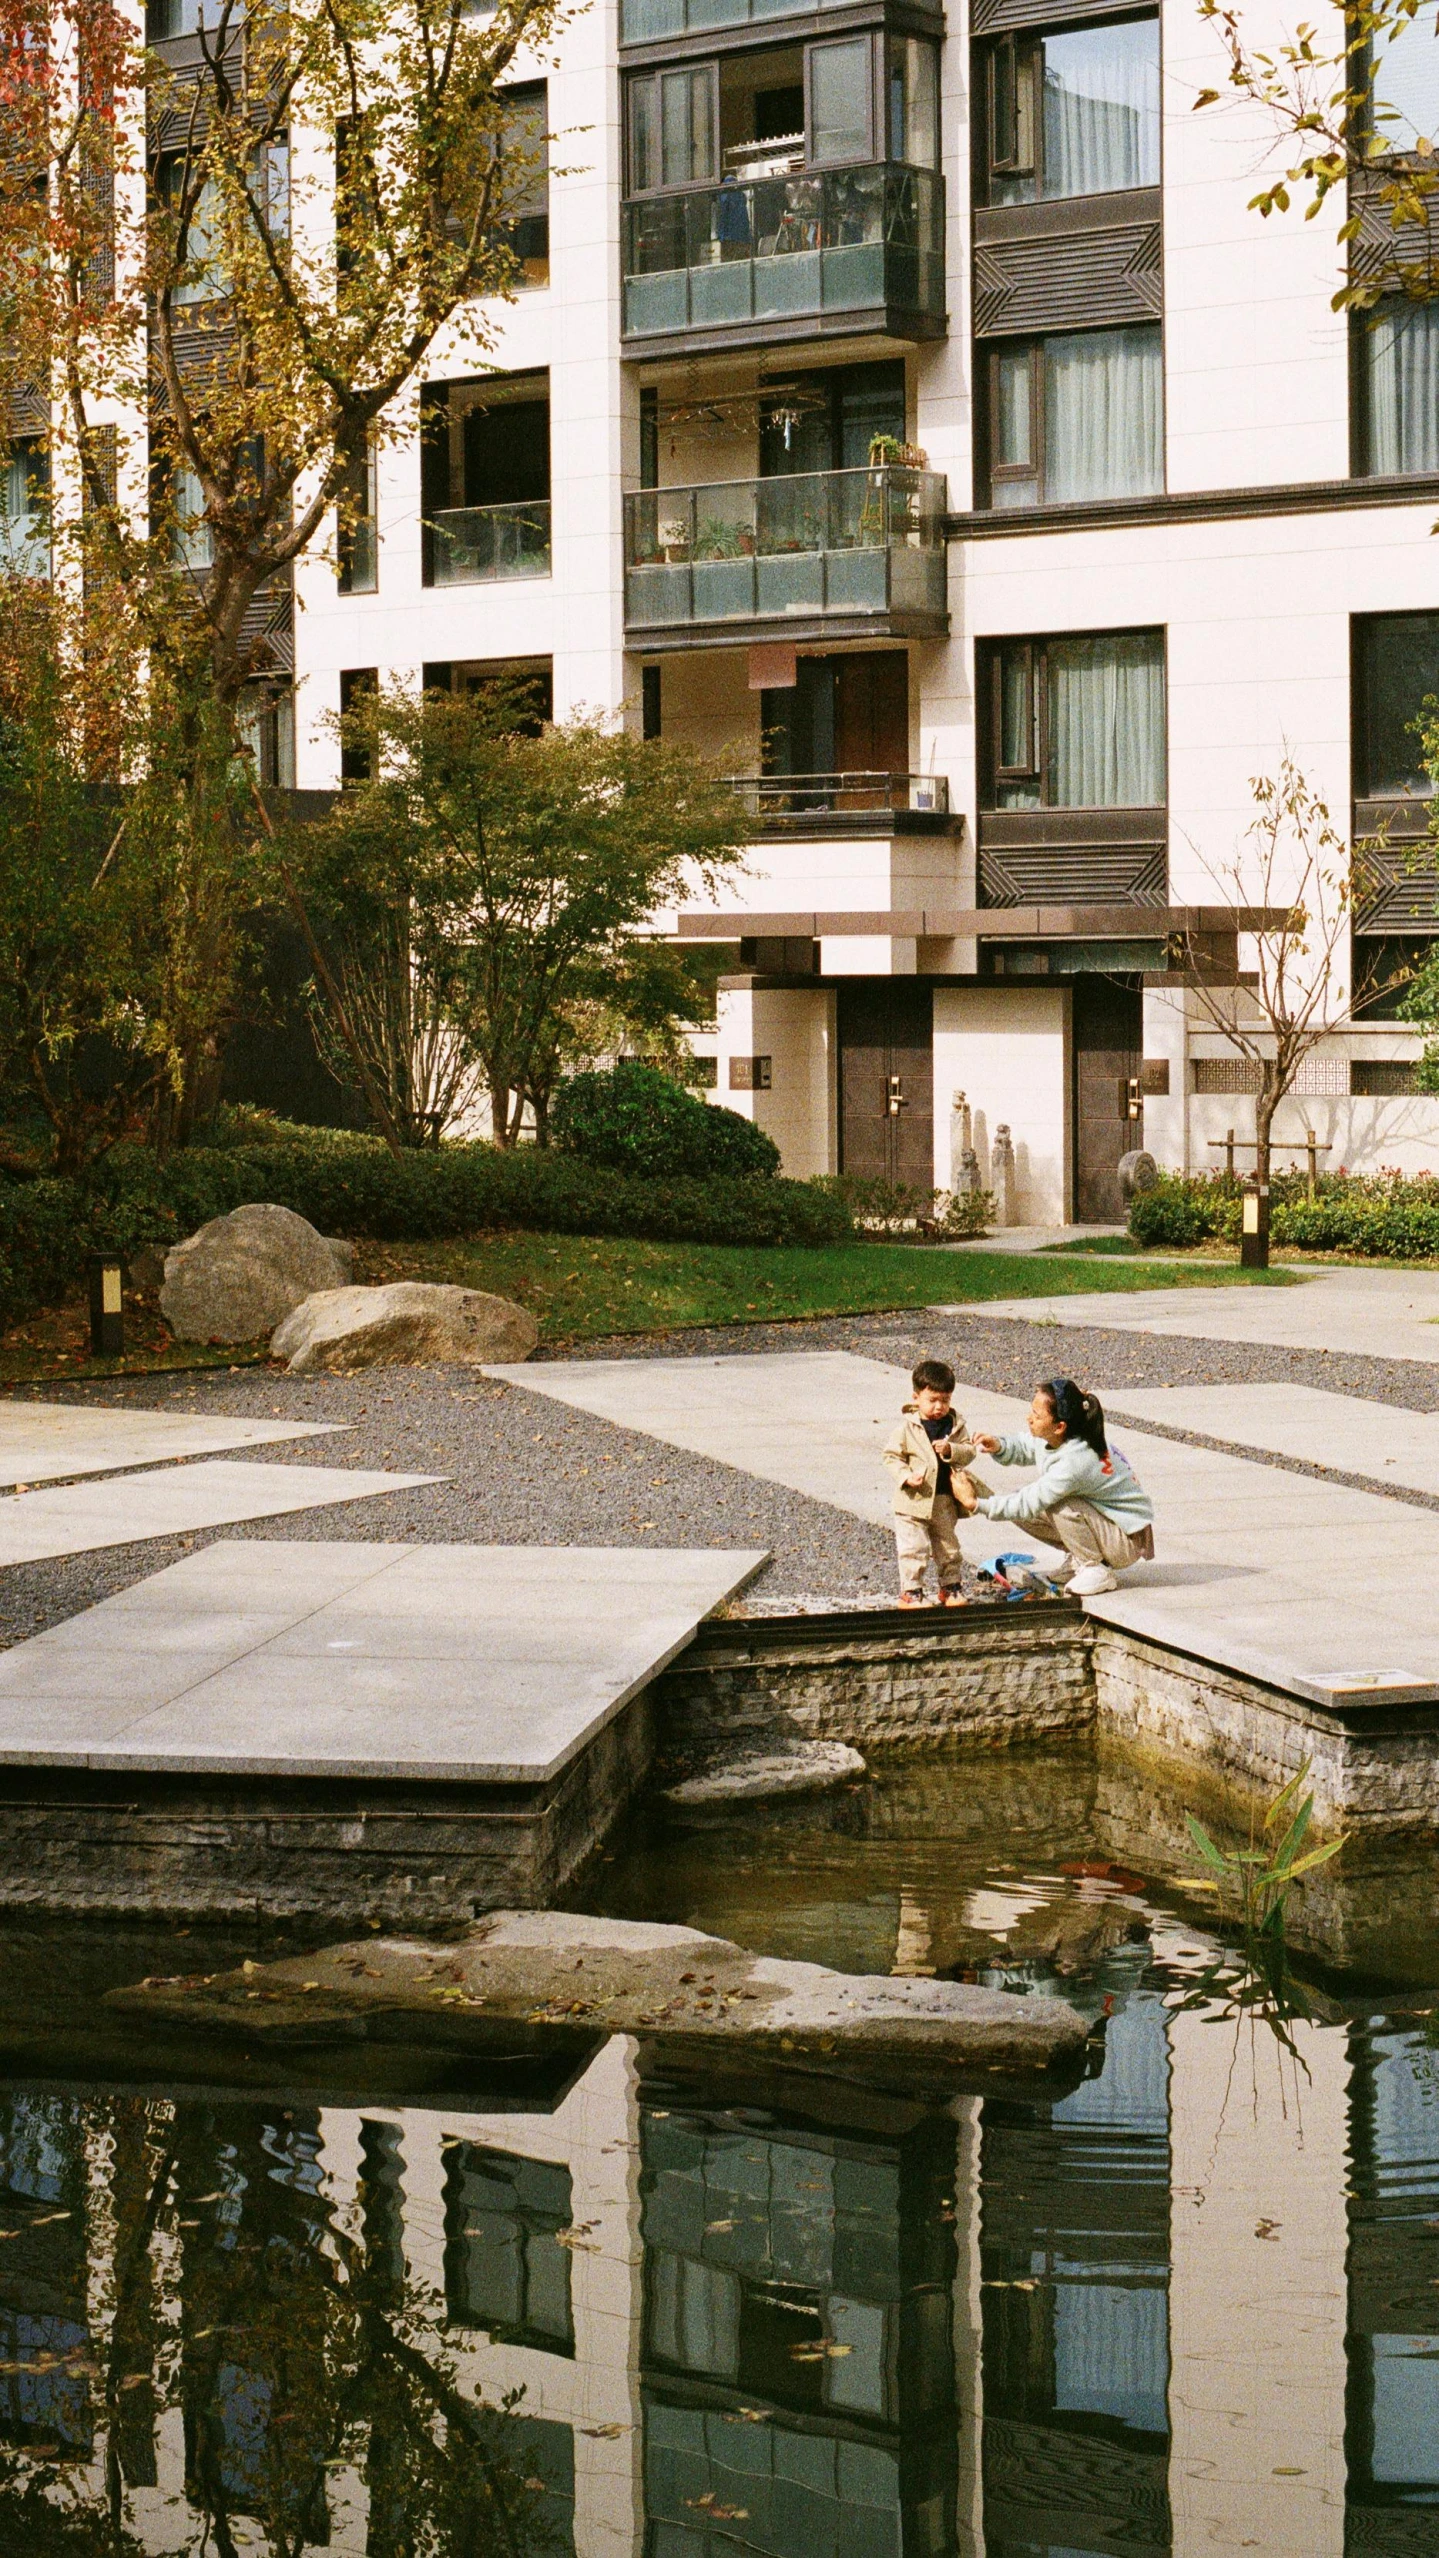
<point>1070,1472</point>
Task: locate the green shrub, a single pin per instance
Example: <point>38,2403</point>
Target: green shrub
<point>634,1119</point>
<point>1383,1216</point>
<point>47,1227</point>
<point>901,1209</point>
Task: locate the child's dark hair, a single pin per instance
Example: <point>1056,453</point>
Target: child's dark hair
<point>1082,1414</point>
<point>934,1373</point>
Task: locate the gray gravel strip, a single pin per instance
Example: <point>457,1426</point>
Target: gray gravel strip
<point>525,1474</point>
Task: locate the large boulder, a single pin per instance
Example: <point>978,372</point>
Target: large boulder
<point>406,1325</point>
<point>242,1274</point>
<point>521,1978</point>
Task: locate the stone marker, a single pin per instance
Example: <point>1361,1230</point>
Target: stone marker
<point>242,1274</point>
<point>810,1767</point>
<point>408,1324</point>
<point>523,1976</point>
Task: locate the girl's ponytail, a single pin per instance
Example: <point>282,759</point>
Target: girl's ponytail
<point>1081,1414</point>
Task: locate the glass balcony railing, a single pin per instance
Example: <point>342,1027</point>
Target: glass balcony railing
<point>473,544</point>
<point>792,801</point>
<point>651,21</point>
<point>849,545</point>
<point>816,241</point>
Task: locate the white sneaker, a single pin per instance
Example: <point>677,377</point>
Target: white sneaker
<point>1090,1579</point>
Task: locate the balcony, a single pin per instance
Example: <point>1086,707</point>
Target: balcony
<point>655,21</point>
<point>845,803</point>
<point>838,554</point>
<point>475,545</point>
<point>812,252</point>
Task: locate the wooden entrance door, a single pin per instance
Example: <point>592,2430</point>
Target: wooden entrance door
<point>886,1081</point>
<point>1108,1042</point>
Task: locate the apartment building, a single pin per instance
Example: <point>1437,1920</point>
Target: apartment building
<point>909,408</point>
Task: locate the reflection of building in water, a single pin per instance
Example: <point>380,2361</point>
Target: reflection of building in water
<point>798,2357</point>
<point>44,2310</point>
<point>1074,2253</point>
<point>1111,2323</point>
<point>1392,2440</point>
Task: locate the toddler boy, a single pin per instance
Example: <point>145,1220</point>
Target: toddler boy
<point>930,1442</point>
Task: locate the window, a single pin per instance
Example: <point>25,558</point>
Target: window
<point>673,122</point>
<point>359,688</point>
<point>1397,363</point>
<point>1405,77</point>
<point>24,526</point>
<point>192,544</point>
<point>1396,672</point>
<point>1075,417</point>
<point>357,531</point>
<point>266,722</point>
<point>839,117</point>
<point>828,421</point>
<point>913,102</point>
<point>1079,722</point>
<point>524,139</point>
<point>505,2269</point>
<point>652,718</point>
<point>1074,113</point>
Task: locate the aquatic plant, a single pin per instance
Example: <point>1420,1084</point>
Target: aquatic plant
<point>1262,1875</point>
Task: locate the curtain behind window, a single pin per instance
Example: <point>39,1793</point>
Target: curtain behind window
<point>1101,109</point>
<point>1400,358</point>
<point>1106,721</point>
<point>1103,414</point>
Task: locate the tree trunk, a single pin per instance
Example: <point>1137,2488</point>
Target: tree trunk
<point>1266,1103</point>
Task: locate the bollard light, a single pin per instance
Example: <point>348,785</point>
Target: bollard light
<point>107,1306</point>
<point>1254,1226</point>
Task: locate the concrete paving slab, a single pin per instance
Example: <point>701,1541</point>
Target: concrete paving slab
<point>511,1705</point>
<point>1254,1564</point>
<point>1383,1314</point>
<point>45,1442</point>
<point>215,1494</point>
<point>1344,1431</point>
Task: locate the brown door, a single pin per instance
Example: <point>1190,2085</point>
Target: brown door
<point>1108,1039</point>
<point>886,1081</point>
<point>871,712</point>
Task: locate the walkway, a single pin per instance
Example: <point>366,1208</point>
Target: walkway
<point>1383,1314</point>
<point>1297,1580</point>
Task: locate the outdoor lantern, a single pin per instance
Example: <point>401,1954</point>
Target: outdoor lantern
<point>1254,1226</point>
<point>107,1306</point>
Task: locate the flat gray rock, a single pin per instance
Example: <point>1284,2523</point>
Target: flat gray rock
<point>532,1973</point>
<point>242,1274</point>
<point>409,1324</point>
<point>810,1767</point>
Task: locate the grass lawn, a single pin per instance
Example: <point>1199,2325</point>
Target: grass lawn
<point>580,1287</point>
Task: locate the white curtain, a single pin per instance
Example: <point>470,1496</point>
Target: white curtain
<point>1101,109</point>
<point>1406,82</point>
<point>1400,356</point>
<point>1103,414</point>
<point>1106,721</point>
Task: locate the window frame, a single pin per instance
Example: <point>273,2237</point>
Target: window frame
<point>1034,474</point>
<point>1361,688</point>
<point>877,71</point>
<point>1023,47</point>
<point>653,79</point>
<point>1035,647</point>
<point>878,141</point>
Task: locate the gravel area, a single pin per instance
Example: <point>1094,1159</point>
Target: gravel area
<point>524,1472</point>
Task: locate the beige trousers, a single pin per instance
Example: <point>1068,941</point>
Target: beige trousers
<point>1090,1535</point>
<point>938,1535</point>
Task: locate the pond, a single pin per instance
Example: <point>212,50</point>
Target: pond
<point>396,2303</point>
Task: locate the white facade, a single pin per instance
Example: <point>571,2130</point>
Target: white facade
<point>1258,554</point>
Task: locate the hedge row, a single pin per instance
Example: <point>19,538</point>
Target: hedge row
<point>47,1227</point>
<point>1383,1215</point>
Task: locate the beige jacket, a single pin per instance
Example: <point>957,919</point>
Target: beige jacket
<point>910,1450</point>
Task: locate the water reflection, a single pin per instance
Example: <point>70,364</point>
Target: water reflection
<point>1193,2303</point>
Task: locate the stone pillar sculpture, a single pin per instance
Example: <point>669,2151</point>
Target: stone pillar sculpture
<point>961,1139</point>
<point>1002,1177</point>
